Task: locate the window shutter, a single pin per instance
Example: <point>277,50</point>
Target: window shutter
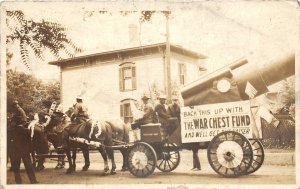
<point>121,83</point>
<point>179,73</point>
<point>184,73</point>
<point>133,70</point>
<point>122,110</point>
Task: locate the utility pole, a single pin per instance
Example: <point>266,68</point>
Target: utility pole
<point>168,58</point>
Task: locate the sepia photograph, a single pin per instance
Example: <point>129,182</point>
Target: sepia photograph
<point>149,94</point>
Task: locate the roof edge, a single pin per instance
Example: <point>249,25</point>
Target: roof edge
<point>172,46</point>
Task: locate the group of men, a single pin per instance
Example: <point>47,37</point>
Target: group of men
<point>161,113</point>
<point>169,117</point>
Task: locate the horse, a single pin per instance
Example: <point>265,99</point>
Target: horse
<point>106,132</point>
<point>52,133</point>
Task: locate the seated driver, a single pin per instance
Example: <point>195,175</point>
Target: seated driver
<point>148,114</point>
<point>78,117</point>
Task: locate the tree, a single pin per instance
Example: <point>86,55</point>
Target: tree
<point>38,36</point>
<point>29,91</point>
<point>285,103</point>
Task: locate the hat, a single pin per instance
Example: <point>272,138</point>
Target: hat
<point>145,97</point>
<point>15,102</point>
<point>162,97</point>
<point>47,103</point>
<point>79,97</point>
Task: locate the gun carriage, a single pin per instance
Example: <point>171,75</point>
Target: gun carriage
<point>219,114</point>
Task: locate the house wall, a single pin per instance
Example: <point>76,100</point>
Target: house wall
<point>99,84</point>
<point>191,64</point>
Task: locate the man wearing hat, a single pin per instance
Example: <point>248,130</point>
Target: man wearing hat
<point>19,145</point>
<point>149,114</point>
<point>174,108</point>
<point>43,117</point>
<point>80,114</point>
<point>19,116</point>
<point>161,110</point>
<point>78,117</point>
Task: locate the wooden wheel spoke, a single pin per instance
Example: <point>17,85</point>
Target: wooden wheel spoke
<point>172,162</point>
<point>219,167</point>
<point>226,171</point>
<point>161,163</point>
<point>256,148</point>
<point>169,165</point>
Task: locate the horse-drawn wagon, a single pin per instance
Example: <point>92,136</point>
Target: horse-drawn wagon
<point>219,113</point>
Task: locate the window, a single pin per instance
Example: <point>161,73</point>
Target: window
<point>125,111</point>
<point>127,76</point>
<point>181,71</point>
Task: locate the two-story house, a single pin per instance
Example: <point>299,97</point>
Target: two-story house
<point>108,81</point>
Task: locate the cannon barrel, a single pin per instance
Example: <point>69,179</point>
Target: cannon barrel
<point>237,81</point>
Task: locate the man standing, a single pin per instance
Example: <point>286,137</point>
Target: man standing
<point>19,143</point>
<point>174,108</point>
<point>19,117</point>
<point>161,110</point>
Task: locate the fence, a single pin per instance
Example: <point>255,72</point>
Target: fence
<point>280,137</point>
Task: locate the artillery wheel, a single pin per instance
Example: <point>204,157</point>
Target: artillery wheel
<point>258,155</point>
<point>170,158</point>
<point>230,154</point>
<point>141,159</point>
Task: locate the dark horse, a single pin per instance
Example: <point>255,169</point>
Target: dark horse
<point>53,133</point>
<point>107,133</point>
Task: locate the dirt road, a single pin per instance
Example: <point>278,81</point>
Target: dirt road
<point>267,174</point>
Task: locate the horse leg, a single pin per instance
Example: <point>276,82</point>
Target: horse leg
<point>111,156</point>
<point>85,152</point>
<point>104,156</point>
<point>60,160</point>
<point>40,165</point>
<point>124,153</point>
<point>68,153</point>
<point>74,153</point>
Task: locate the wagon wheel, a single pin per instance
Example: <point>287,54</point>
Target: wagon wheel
<point>170,158</point>
<point>230,154</point>
<point>141,159</point>
<point>258,155</point>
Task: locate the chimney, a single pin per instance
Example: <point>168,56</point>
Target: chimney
<point>133,34</point>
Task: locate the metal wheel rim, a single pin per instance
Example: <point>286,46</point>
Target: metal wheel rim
<point>258,155</point>
<point>235,164</point>
<point>169,161</point>
<point>142,160</point>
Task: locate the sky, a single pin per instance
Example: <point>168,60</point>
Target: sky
<point>223,31</point>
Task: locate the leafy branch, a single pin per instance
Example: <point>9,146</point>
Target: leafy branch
<point>38,36</point>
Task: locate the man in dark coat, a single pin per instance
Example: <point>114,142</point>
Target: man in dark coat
<point>19,143</point>
<point>40,139</point>
<point>19,116</point>
<point>149,115</point>
<point>174,108</point>
<point>161,110</point>
<point>80,116</point>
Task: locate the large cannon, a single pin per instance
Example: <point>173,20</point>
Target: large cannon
<point>219,108</point>
<point>218,114</point>
<point>237,81</point>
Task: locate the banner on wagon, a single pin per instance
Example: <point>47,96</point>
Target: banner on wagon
<point>201,123</point>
